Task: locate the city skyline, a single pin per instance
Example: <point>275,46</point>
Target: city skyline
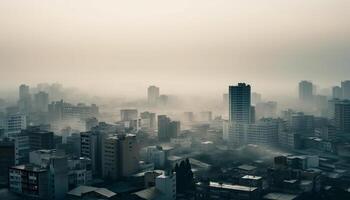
<point>175,100</point>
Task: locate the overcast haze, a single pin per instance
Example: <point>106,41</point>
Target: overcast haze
<point>182,46</point>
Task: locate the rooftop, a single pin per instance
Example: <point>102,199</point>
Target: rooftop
<point>149,193</point>
<point>232,187</point>
<point>280,196</point>
<point>252,177</point>
<point>81,190</point>
<point>29,167</point>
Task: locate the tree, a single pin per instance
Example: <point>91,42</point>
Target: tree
<point>184,176</point>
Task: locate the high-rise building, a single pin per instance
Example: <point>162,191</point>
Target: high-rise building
<point>337,92</point>
<point>175,127</point>
<point>15,123</point>
<point>342,116</point>
<point>302,124</point>
<point>25,99</point>
<point>92,143</point>
<point>148,121</point>
<point>264,132</point>
<point>239,103</point>
<point>163,126</point>
<point>39,139</point>
<point>128,114</point>
<point>153,95</point>
<point>252,114</point>
<point>23,91</point>
<point>331,107</point>
<point>167,129</point>
<point>256,98</point>
<point>7,159</point>
<point>56,164</point>
<point>345,86</point>
<point>306,91</point>
<point>41,101</point>
<point>61,110</point>
<point>120,156</point>
<point>22,148</point>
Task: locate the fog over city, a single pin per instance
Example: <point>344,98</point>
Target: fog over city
<point>175,99</point>
<point>179,45</point>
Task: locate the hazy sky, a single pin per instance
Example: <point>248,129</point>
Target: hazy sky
<point>181,45</point>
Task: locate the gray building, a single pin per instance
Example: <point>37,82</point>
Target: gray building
<point>302,124</point>
<point>128,114</point>
<point>345,86</point>
<point>167,129</point>
<point>120,156</point>
<point>41,102</point>
<point>337,92</point>
<point>153,95</point>
<point>25,99</point>
<point>306,91</point>
<point>92,143</point>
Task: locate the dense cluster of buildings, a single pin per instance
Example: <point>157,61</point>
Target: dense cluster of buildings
<point>258,152</point>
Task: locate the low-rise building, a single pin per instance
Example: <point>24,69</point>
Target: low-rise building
<point>215,190</point>
<point>30,181</point>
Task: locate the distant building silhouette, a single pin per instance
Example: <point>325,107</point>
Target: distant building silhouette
<point>337,92</point>
<point>167,129</point>
<point>25,99</point>
<point>305,91</point>
<point>153,95</point>
<point>345,86</point>
<point>41,102</point>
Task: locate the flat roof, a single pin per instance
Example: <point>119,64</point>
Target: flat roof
<point>290,181</point>
<point>252,177</point>
<point>29,167</point>
<point>81,190</point>
<point>149,193</point>
<point>232,187</point>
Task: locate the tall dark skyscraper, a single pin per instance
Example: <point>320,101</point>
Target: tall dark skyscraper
<point>239,103</point>
<point>153,95</point>
<point>305,91</point>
